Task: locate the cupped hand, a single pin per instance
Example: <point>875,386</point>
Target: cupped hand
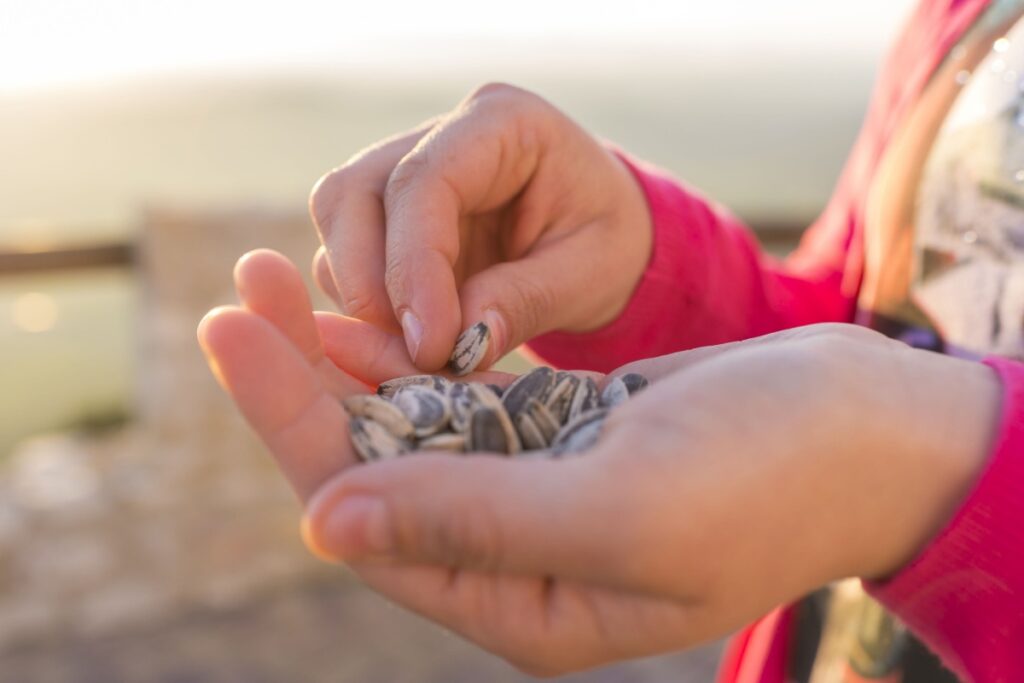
<point>502,211</point>
<point>743,477</point>
<point>288,369</point>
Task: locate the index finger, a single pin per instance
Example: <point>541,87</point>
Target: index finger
<point>347,208</point>
<point>475,161</point>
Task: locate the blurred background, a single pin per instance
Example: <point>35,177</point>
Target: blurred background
<point>144,535</point>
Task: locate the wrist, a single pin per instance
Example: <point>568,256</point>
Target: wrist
<point>945,437</point>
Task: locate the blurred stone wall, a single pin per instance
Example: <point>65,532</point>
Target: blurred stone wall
<point>182,508</point>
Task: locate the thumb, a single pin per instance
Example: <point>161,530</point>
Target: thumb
<point>521,299</point>
<point>477,512</point>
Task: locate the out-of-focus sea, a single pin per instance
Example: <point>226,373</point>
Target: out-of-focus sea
<point>765,137</point>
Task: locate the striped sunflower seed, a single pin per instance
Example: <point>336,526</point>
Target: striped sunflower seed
<point>615,393</point>
<point>542,418</point>
<point>560,396</point>
<point>380,411</point>
<point>428,410</point>
<point>483,396</point>
<point>634,382</point>
<point>470,349</point>
<point>391,387</point>
<point>373,441</point>
<point>530,434</point>
<point>580,434</point>
<point>584,398</point>
<point>462,407</point>
<point>491,430</point>
<point>444,442</point>
<point>534,384</point>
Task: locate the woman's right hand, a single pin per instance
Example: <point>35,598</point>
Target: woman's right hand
<point>503,211</point>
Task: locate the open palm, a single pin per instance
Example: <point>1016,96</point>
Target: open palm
<point>287,370</point>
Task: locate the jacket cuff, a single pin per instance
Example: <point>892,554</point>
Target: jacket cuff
<point>964,594</point>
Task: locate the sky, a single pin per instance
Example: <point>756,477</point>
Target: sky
<point>54,43</point>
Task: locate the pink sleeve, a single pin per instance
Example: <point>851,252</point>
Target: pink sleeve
<point>707,282</point>
<point>964,595</point>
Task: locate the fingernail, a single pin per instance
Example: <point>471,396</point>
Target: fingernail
<point>357,527</point>
<point>412,328</point>
<point>499,334</point>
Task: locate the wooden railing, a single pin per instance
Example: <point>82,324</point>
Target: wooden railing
<point>16,262</point>
<point>780,234</point>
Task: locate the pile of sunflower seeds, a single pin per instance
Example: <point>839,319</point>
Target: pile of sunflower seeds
<point>543,412</point>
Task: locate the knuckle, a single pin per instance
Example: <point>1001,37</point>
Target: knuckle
<point>495,89</point>
<point>356,303</point>
<point>505,102</point>
<point>836,337</point>
<point>405,177</point>
<point>531,303</point>
<point>327,194</point>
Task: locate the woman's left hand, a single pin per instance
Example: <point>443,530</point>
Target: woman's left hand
<point>745,476</point>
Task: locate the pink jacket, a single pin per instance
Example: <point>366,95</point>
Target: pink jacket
<point>964,595</point>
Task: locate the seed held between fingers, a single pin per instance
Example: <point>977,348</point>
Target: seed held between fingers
<point>470,349</point>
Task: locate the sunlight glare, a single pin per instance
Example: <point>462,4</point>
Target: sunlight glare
<point>34,312</point>
<point>65,42</point>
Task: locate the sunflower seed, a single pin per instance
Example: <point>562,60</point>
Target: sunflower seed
<point>529,432</point>
<point>373,441</point>
<point>482,396</point>
<point>542,418</point>
<point>584,398</point>
<point>428,410</point>
<point>581,433</point>
<point>380,411</point>
<point>634,382</point>
<point>391,387</point>
<point>534,384</point>
<point>561,387</point>
<point>546,412</point>
<point>470,349</point>
<point>444,442</point>
<point>462,407</point>
<point>614,393</point>
<point>491,430</point>
<point>560,396</point>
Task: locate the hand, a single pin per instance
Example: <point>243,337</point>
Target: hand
<point>744,477</point>
<point>502,211</point>
<point>288,369</point>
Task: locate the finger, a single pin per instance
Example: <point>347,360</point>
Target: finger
<point>506,615</point>
<point>521,299</point>
<point>541,625</point>
<point>323,277</point>
<point>270,285</point>
<point>374,356</point>
<point>476,160</point>
<point>347,208</point>
<point>469,512</point>
<point>280,395</point>
<point>362,349</point>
